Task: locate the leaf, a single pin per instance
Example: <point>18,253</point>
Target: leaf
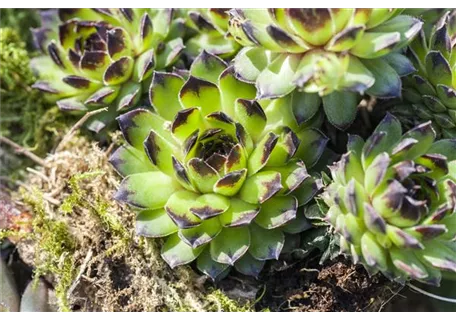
<point>176,252</point>
<point>230,245</point>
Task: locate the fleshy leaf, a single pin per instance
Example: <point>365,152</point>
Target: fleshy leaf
<point>155,223</point>
<point>176,252</point>
<point>277,211</point>
<point>265,244</point>
<point>146,190</point>
<point>230,245</point>
<point>239,213</point>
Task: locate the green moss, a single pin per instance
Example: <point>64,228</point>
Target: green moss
<point>55,247</point>
<point>220,302</point>
<point>20,20</point>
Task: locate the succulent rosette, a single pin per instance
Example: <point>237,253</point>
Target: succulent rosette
<point>335,54</point>
<point>97,58</point>
<point>210,33</point>
<point>214,171</point>
<point>432,90</point>
<point>393,202</point>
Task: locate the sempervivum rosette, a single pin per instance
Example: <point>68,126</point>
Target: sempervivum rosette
<point>332,53</point>
<point>214,171</point>
<point>393,202</point>
<point>432,90</point>
<point>104,57</point>
<point>210,33</point>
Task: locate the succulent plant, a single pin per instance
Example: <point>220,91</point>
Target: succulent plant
<point>432,90</point>
<point>330,53</point>
<point>104,57</point>
<point>34,299</point>
<point>210,33</point>
<point>393,202</point>
<point>220,174</point>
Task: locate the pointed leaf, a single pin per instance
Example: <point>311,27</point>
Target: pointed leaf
<point>128,160</point>
<point>176,252</point>
<point>146,190</point>
<point>155,224</point>
<point>230,245</point>
<point>201,234</point>
<point>210,205</point>
<point>206,265</point>
<point>178,207</point>
<point>249,266</point>
<point>261,187</point>
<point>240,213</point>
<point>265,244</point>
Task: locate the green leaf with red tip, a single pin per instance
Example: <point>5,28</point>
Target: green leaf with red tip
<point>170,53</point>
<point>159,152</point>
<point>307,190</point>
<point>185,123</point>
<point>230,245</point>
<point>200,93</point>
<point>136,125</point>
<point>249,266</point>
<point>425,135</point>
<point>293,175</point>
<point>231,183</point>
<point>375,44</point>
<point>129,95</point>
<point>447,95</point>
<point>210,205</point>
<point>374,255</point>
<point>311,139</point>
<point>260,187</point>
<point>407,263</point>
<point>203,176</point>
<point>345,39</point>
<point>94,63</point>
<point>119,43</point>
<point>402,239</point>
<point>276,80</point>
<point>340,108</point>
<point>206,265</point>
<point>277,211</point>
<point>208,67</point>
<point>71,104</point>
<point>438,69</point>
<point>201,234</point>
<point>146,190</point>
<point>164,94</point>
<point>251,116</point>
<point>236,160</point>
<point>119,71</point>
<point>178,207</point>
<point>285,148</point>
<point>103,96</point>
<point>239,213</point>
<point>128,160</point>
<point>144,66</point>
<point>407,27</point>
<point>155,224</point>
<point>260,155</point>
<point>265,244</point>
<point>176,252</point>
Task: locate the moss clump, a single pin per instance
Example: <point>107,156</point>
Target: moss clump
<point>21,20</point>
<point>54,247</point>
